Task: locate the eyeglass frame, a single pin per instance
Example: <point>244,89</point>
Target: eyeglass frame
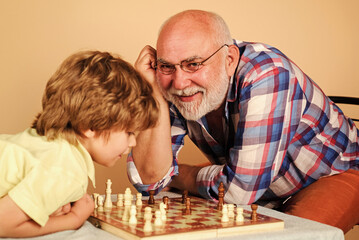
<point>183,68</point>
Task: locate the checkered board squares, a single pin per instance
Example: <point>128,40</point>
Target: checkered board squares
<point>203,222</point>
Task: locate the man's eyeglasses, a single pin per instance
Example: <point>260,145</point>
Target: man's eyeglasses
<point>185,65</point>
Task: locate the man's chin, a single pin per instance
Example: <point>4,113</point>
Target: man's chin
<point>192,115</point>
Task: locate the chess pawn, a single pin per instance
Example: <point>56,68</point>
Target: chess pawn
<point>119,200</point>
<point>125,216</point>
<point>147,218</point>
<point>139,199</point>
<point>240,217</point>
<point>158,220</point>
<point>165,201</point>
<point>151,199</point>
<point>230,210</point>
<point>100,203</point>
<point>254,212</point>
<point>95,195</point>
<point>225,213</point>
<point>184,196</point>
<point>133,219</point>
<point>187,210</point>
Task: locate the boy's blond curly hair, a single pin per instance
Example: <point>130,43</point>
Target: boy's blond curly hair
<point>98,91</point>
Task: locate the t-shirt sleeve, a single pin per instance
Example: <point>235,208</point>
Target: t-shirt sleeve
<point>43,191</point>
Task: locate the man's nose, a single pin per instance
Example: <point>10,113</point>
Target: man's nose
<point>180,78</point>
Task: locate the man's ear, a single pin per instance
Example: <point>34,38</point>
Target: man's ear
<point>232,59</point>
<point>88,133</point>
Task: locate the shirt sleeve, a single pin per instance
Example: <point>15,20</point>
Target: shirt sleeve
<point>39,194</point>
<point>178,132</point>
<point>265,108</point>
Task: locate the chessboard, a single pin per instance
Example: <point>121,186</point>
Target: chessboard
<point>174,218</point>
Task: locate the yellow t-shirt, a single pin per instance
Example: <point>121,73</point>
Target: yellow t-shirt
<point>39,175</point>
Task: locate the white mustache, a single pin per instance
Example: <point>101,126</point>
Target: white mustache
<point>187,91</point>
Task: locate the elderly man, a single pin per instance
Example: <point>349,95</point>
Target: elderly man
<point>267,129</point>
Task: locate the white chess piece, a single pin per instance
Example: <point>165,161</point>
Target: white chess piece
<point>100,203</point>
<point>163,211</point>
<point>139,199</point>
<point>239,217</point>
<point>119,200</point>
<point>95,196</point>
<point>128,194</point>
<point>147,217</point>
<point>108,201</point>
<point>133,219</point>
<point>225,214</point>
<point>231,210</point>
<point>158,220</point>
<point>126,212</point>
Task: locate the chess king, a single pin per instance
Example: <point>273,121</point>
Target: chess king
<point>268,130</point>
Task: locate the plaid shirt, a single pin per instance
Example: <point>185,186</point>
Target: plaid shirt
<point>282,133</point>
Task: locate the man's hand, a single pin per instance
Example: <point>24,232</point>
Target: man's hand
<point>146,63</point>
<point>186,179</point>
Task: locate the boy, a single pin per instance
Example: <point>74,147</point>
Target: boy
<point>92,106</point>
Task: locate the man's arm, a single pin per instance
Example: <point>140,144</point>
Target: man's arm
<point>18,224</point>
<point>153,153</point>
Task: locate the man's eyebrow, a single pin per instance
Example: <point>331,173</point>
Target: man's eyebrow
<point>161,60</point>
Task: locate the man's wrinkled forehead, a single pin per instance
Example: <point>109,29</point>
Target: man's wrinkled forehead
<point>183,45</point>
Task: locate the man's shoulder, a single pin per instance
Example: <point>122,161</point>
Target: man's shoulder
<point>254,50</point>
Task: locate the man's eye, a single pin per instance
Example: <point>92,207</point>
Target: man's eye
<point>192,65</point>
<point>165,66</point>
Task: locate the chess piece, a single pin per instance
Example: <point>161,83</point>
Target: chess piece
<point>230,210</point>
<point>254,212</point>
<point>165,201</point>
<point>147,227</point>
<point>133,219</point>
<point>127,199</point>
<point>119,200</point>
<point>225,217</point>
<point>126,212</point>
<point>95,196</point>
<point>139,199</point>
<point>128,195</point>
<point>184,196</point>
<point>108,201</point>
<point>220,196</point>
<point>158,219</point>
<point>100,203</point>
<point>163,211</point>
<point>187,209</point>
<point>151,199</point>
<point>240,217</point>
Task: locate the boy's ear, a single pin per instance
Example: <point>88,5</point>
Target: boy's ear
<point>88,133</point>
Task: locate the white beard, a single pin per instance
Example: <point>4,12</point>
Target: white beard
<point>212,97</point>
